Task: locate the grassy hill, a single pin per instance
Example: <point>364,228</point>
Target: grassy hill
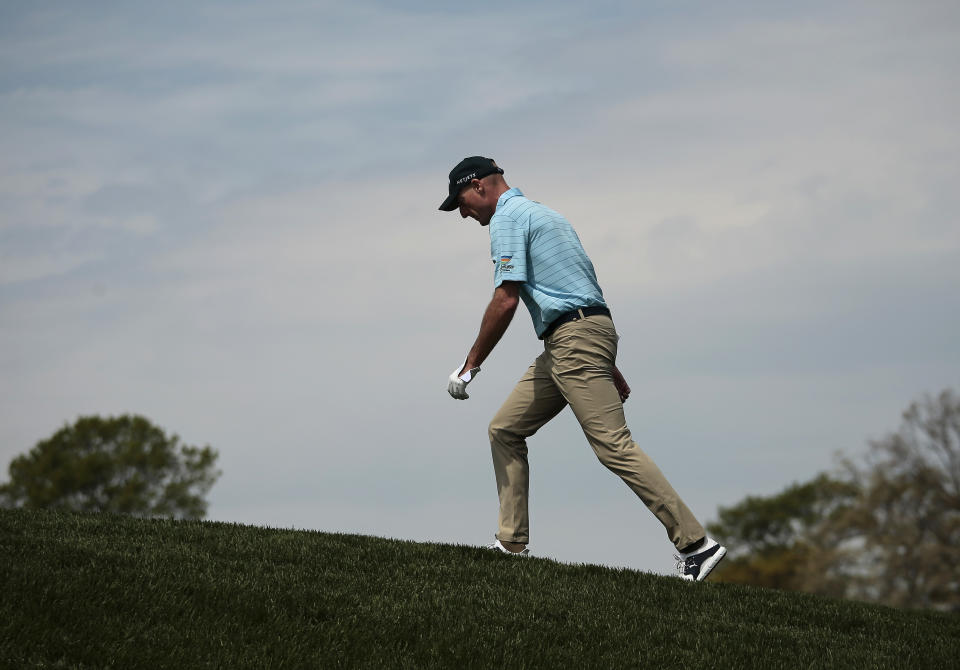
<point>114,592</point>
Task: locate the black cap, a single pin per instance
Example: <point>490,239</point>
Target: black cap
<point>473,167</point>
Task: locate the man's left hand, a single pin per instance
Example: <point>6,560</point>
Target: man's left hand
<point>459,378</point>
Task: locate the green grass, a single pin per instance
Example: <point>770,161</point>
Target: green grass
<point>93,591</point>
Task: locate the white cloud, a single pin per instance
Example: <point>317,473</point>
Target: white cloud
<point>30,268</point>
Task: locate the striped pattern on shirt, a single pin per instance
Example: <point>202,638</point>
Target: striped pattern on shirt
<point>532,244</point>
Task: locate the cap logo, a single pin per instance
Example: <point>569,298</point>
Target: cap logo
<point>467,178</point>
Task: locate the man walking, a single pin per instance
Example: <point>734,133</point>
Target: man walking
<point>538,259</point>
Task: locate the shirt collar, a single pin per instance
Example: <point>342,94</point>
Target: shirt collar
<point>506,195</point>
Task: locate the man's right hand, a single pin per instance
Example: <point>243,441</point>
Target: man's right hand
<point>622,387</point>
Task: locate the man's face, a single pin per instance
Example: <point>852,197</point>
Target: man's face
<point>474,202</point>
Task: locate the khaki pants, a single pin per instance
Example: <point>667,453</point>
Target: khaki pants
<point>575,369</point>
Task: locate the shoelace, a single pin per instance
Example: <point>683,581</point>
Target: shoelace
<point>682,563</point>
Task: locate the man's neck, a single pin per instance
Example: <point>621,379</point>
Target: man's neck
<point>500,190</point>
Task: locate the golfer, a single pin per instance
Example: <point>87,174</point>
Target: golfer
<point>537,257</point>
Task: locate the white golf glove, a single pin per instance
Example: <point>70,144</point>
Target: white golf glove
<point>458,384</point>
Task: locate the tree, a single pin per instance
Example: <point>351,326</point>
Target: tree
<point>908,513</point>
<point>775,540</point>
<point>885,528</point>
<point>122,465</point>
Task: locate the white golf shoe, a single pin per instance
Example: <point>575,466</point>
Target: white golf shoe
<point>496,546</point>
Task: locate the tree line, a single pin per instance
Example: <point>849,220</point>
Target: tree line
<point>883,527</point>
<point>119,465</point>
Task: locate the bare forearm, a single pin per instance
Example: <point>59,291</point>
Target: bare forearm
<point>496,318</point>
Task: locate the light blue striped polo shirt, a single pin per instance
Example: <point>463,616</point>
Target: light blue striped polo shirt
<point>533,244</point>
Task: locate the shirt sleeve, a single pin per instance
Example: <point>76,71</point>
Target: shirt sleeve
<point>508,248</point>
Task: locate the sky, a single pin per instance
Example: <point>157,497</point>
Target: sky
<point>223,216</point>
